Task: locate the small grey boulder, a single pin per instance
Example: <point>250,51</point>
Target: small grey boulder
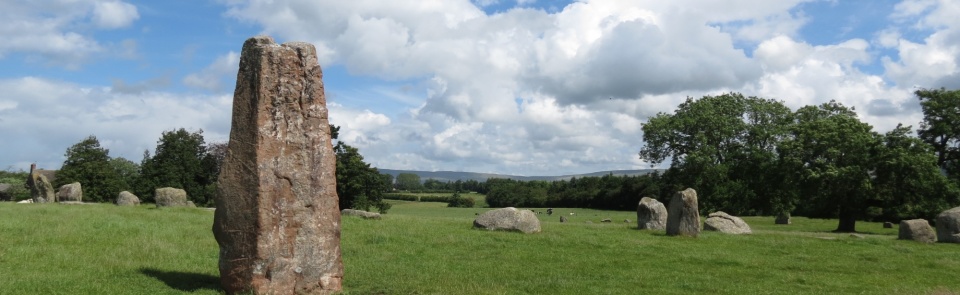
<point>509,219</point>
<point>948,226</point>
<point>126,198</point>
<point>722,222</point>
<point>651,214</point>
<point>72,192</point>
<point>918,230</point>
<point>170,197</point>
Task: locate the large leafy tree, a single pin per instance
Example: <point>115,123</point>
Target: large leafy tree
<point>941,127</point>
<point>359,186</point>
<point>127,171</point>
<point>724,146</point>
<point>830,153</point>
<point>408,182</point>
<point>908,181</point>
<point>89,163</point>
<point>178,162</point>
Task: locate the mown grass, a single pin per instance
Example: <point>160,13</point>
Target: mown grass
<point>426,248</point>
<point>105,249</point>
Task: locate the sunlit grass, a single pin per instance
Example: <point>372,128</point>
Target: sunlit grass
<point>427,248</point>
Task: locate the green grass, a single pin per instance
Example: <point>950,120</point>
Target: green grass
<point>105,249</point>
<point>426,248</point>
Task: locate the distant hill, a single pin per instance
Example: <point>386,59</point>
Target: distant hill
<point>445,176</point>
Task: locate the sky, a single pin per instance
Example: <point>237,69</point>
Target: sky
<point>521,87</point>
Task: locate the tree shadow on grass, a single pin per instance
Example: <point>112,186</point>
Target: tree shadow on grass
<point>184,281</point>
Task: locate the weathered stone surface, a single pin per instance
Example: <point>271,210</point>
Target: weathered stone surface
<point>41,191</point>
<point>563,219</point>
<point>72,192</point>
<point>126,198</point>
<point>27,201</point>
<point>722,222</point>
<point>509,219</point>
<point>888,224</point>
<point>606,220</point>
<point>170,197</point>
<point>948,226</point>
<point>360,213</point>
<point>783,218</point>
<point>918,230</point>
<point>651,214</point>
<point>278,219</point>
<point>683,218</point>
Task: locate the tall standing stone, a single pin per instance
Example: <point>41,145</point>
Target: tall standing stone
<point>683,217</point>
<point>278,220</point>
<point>948,226</point>
<point>41,190</point>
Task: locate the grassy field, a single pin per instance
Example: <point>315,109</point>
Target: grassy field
<point>426,248</point>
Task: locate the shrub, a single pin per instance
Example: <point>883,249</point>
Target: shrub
<point>460,202</point>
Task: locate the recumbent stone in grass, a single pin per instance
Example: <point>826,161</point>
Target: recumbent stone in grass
<point>683,218</point>
<point>72,192</point>
<point>278,219</point>
<point>651,214</point>
<point>126,198</point>
<point>509,219</point>
<point>888,224</point>
<point>722,222</point>
<point>360,213</point>
<point>171,197</point>
<point>948,226</point>
<point>918,230</point>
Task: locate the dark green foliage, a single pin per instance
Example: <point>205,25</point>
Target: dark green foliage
<point>724,147</point>
<point>127,171</point>
<point>90,165</point>
<point>17,181</point>
<point>178,162</point>
<point>359,185</point>
<point>831,153</point>
<point>401,197</point>
<point>941,127</point>
<point>458,201</point>
<point>408,182</point>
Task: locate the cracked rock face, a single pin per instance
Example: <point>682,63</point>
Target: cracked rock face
<point>277,219</point>
<point>683,218</point>
<point>508,219</point>
<point>651,214</point>
<point>948,226</point>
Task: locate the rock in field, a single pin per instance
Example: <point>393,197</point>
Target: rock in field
<point>563,219</point>
<point>684,216</point>
<point>41,191</point>
<point>126,198</point>
<point>170,197</point>
<point>948,226</point>
<point>918,230</point>
<point>278,219</point>
<point>651,214</point>
<point>360,213</point>
<point>70,193</point>
<point>888,224</point>
<point>509,219</point>
<point>722,222</point>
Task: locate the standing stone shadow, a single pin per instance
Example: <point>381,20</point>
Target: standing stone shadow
<point>184,281</point>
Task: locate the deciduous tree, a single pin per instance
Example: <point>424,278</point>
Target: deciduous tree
<point>89,163</point>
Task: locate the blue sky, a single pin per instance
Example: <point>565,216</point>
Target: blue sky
<point>526,87</point>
